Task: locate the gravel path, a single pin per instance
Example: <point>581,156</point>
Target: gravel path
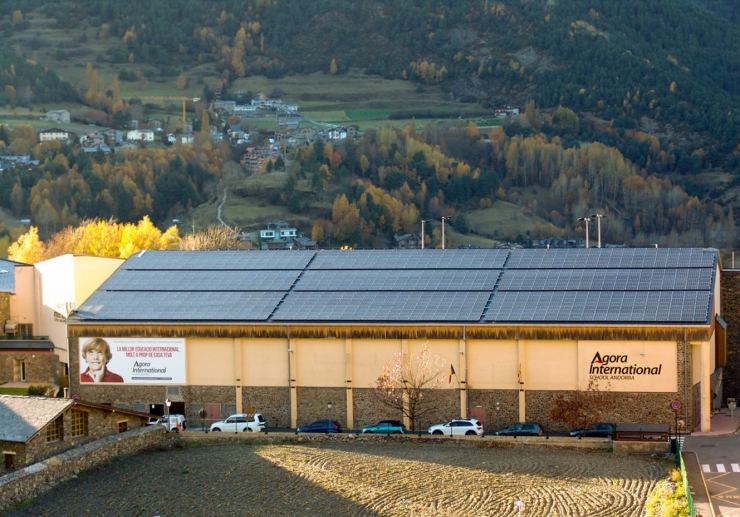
<point>362,479</point>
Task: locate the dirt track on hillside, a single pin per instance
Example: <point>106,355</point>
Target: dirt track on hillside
<point>363,479</point>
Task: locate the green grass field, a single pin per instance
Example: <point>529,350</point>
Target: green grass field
<point>13,391</point>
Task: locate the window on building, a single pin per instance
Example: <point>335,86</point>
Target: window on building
<point>9,460</point>
<point>141,408</point>
<point>122,426</point>
<point>54,431</point>
<point>79,423</point>
<point>229,409</point>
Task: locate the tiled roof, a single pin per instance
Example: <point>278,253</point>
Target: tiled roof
<point>22,417</point>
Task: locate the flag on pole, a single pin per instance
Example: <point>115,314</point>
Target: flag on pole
<point>452,372</point>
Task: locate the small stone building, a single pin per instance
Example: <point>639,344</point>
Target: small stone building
<point>35,428</point>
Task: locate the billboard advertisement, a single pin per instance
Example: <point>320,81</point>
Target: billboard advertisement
<point>132,360</point>
<point>629,366</point>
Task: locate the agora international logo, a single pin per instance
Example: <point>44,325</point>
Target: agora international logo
<point>618,368</point>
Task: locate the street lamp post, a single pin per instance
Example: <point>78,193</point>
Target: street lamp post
<point>328,406</point>
<point>498,408</point>
<point>598,217</point>
<point>588,220</point>
<point>444,217</point>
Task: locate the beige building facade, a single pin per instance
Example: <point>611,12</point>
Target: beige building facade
<point>511,326</point>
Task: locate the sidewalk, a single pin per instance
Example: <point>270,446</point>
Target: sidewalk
<point>723,423</point>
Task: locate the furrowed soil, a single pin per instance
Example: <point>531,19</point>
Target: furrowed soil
<point>362,479</point>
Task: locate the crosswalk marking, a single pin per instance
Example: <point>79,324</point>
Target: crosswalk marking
<point>719,468</point>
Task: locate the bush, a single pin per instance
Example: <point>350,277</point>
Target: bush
<point>41,390</point>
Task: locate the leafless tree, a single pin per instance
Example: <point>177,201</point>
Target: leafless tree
<point>408,385</point>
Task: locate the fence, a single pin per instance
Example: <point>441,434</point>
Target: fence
<point>684,477</point>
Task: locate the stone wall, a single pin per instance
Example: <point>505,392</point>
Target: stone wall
<point>312,405</point>
<point>730,300</point>
<point>41,367</point>
<point>38,478</point>
<point>272,403</point>
<point>368,409</point>
<point>508,412</point>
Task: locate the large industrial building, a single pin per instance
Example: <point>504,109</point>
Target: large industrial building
<point>285,333</point>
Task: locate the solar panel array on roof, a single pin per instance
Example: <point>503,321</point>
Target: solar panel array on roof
<point>610,258</point>
<point>358,306</point>
<point>411,259</point>
<point>606,279</point>
<point>194,281</point>
<point>600,307</point>
<point>218,260</point>
<point>399,280</point>
<point>586,286</point>
<point>174,306</point>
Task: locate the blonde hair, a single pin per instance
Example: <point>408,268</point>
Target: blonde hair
<point>98,344</point>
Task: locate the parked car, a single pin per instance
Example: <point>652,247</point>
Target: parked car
<point>458,427</point>
<point>599,430</point>
<point>174,423</point>
<point>525,429</point>
<point>240,423</point>
<point>321,426</point>
<point>386,427</point>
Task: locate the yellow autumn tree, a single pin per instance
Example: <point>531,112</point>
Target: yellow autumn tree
<point>28,249</point>
<point>333,67</point>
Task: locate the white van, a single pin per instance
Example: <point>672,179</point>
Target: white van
<point>175,423</point>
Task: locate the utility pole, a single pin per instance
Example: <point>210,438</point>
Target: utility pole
<point>598,217</point>
<point>443,230</point>
<point>588,220</point>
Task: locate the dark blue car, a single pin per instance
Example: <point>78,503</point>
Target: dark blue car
<point>321,426</point>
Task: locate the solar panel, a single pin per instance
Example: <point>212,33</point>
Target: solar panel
<point>606,280</point>
<point>600,307</point>
<point>217,260</point>
<point>159,306</point>
<point>199,280</point>
<point>611,258</point>
<point>398,280</point>
<point>410,259</point>
<point>379,306</point>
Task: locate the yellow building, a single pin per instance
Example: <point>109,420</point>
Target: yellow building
<point>284,333</point>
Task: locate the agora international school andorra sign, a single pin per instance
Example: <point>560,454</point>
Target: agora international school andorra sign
<point>132,360</point>
<point>634,366</point>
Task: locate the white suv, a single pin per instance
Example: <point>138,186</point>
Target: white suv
<point>458,427</point>
<point>239,423</point>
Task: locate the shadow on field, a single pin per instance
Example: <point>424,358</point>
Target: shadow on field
<point>218,479</point>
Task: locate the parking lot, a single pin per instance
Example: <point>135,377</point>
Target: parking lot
<point>379,476</point>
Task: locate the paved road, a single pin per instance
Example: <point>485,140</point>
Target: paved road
<point>719,464</point>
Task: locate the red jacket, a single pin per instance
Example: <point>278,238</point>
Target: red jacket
<point>108,377</point>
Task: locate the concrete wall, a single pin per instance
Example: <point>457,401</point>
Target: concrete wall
<point>646,448</point>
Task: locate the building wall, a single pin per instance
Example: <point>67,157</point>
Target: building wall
<point>42,367</point>
<point>24,304</point>
<point>261,373</point>
<point>100,424</point>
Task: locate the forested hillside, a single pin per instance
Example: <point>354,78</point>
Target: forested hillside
<point>626,107</point>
